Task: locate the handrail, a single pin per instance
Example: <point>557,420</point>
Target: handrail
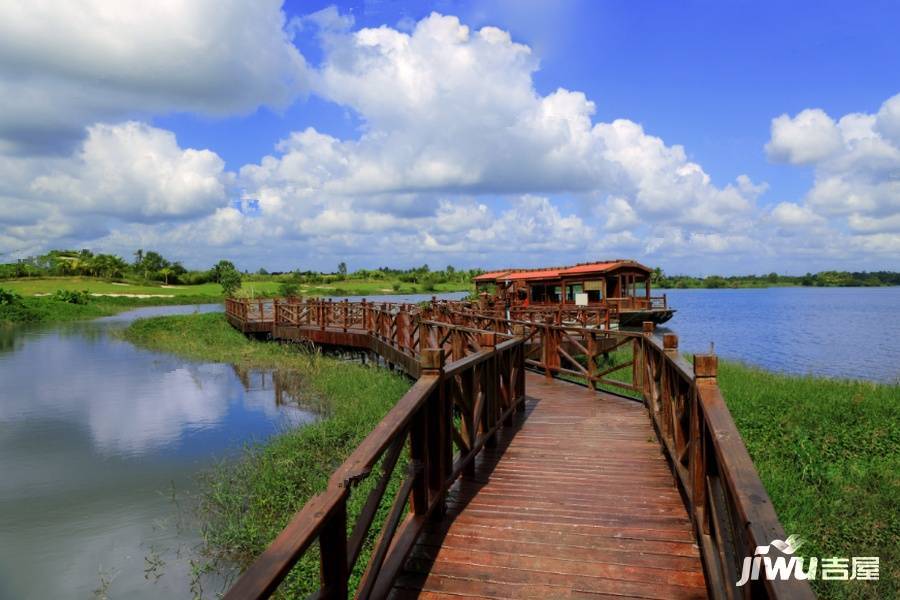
<point>464,355</point>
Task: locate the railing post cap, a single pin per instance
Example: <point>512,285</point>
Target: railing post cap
<point>670,341</point>
<point>489,339</point>
<point>705,365</point>
<point>432,359</point>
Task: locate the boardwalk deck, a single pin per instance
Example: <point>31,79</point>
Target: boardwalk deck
<point>523,485</point>
<point>576,501</point>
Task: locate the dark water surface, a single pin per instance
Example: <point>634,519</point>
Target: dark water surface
<point>835,332</point>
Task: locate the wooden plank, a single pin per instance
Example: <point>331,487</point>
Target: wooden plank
<point>576,500</point>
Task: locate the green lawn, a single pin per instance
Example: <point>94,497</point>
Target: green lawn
<point>252,287</point>
<point>828,452</point>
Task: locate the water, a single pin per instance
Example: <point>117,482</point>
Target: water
<point>100,445</point>
<point>835,332</point>
<point>100,442</point>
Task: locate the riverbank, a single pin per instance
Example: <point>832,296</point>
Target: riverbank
<point>827,450</point>
<point>252,286</point>
<point>248,503</point>
<point>47,309</point>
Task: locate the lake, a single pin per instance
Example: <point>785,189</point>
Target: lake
<point>100,446</point>
<point>834,332</point>
<point>101,442</point>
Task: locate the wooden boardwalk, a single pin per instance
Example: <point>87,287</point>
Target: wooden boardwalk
<point>576,501</point>
<point>512,482</point>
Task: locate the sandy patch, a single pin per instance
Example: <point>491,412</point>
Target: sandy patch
<point>122,284</point>
<point>136,295</point>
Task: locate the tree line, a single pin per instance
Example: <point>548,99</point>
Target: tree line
<point>820,279</point>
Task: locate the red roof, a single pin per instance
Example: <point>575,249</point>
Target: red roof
<point>558,272</point>
<point>589,268</point>
<point>490,276</point>
<point>600,267</point>
<point>545,274</point>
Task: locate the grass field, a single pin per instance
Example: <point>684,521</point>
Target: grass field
<point>37,307</point>
<point>828,451</point>
<point>349,287</point>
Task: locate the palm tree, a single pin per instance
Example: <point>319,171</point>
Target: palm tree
<point>165,272</point>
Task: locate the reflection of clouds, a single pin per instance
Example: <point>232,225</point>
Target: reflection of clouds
<point>158,407</point>
<point>130,400</point>
<point>77,407</point>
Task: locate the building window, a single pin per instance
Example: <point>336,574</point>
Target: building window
<point>572,290</point>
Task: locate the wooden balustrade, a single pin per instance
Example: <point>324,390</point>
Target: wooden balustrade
<point>471,370</point>
<point>485,388</point>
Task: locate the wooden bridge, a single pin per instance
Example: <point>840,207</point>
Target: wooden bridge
<point>550,459</point>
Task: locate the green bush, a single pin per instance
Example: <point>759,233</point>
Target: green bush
<point>288,289</point>
<point>72,296</point>
<point>9,297</point>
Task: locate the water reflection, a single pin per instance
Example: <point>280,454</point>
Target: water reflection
<point>96,439</point>
<point>100,444</point>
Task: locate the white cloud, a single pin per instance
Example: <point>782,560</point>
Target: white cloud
<point>809,137</point>
<point>856,161</point>
<point>66,65</point>
<point>449,113</point>
<point>137,172</point>
<point>458,156</point>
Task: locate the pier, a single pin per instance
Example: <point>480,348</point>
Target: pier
<point>537,458</point>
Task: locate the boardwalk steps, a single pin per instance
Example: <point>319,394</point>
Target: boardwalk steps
<point>520,484</point>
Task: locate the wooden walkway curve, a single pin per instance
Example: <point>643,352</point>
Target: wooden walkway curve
<point>520,471</point>
<point>577,501</point>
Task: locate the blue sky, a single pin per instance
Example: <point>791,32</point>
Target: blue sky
<point>699,136</point>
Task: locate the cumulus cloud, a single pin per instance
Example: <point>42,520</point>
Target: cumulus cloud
<point>458,155</point>
<point>64,66</point>
<point>856,162</point>
<point>138,172</point>
<point>124,173</point>
<point>807,138</point>
<point>449,113</point>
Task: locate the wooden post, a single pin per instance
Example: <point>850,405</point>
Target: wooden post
<point>705,370</point>
<point>648,327</point>
<point>670,344</point>
<point>706,366</point>
<point>333,548</point>
<point>439,441</point>
<point>490,389</point>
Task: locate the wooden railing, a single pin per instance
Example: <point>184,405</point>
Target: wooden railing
<point>471,380</point>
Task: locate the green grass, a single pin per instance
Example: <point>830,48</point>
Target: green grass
<point>36,307</point>
<point>828,452</point>
<point>247,503</point>
<point>213,291</point>
<point>33,310</point>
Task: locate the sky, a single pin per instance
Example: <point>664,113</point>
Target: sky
<point>701,137</point>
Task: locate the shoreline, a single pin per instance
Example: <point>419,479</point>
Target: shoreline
<point>246,502</point>
<point>827,450</point>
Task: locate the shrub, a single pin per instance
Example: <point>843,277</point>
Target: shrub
<point>230,280</point>
<point>288,289</point>
<point>396,287</point>
<point>72,296</point>
<point>9,297</point>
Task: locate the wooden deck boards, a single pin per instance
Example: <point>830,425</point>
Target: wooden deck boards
<point>576,501</point>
